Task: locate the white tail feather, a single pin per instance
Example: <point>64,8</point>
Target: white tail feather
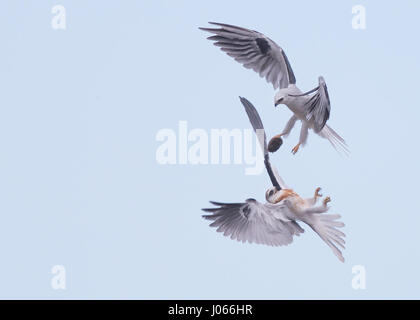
<point>325,225</point>
<point>334,138</point>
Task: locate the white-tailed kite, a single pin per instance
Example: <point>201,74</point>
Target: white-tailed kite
<point>275,223</point>
<point>258,52</point>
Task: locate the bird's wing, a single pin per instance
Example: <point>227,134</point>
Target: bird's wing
<point>254,222</point>
<point>256,123</point>
<point>279,179</point>
<point>254,51</point>
<point>258,127</point>
<point>318,106</point>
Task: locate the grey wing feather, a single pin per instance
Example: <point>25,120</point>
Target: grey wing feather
<point>318,106</point>
<point>256,123</point>
<point>258,127</point>
<point>254,222</point>
<point>254,51</point>
<point>279,179</point>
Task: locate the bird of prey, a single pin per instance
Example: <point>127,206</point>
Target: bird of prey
<point>275,222</point>
<point>256,51</point>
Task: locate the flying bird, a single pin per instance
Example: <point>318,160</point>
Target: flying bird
<point>256,51</point>
<point>275,222</point>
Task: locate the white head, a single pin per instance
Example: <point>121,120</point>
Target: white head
<point>272,195</point>
<point>286,95</point>
<point>281,97</point>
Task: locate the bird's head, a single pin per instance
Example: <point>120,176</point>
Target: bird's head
<point>273,195</point>
<point>280,97</point>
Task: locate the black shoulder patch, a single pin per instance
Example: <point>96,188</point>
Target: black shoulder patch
<point>246,211</point>
<point>263,45</point>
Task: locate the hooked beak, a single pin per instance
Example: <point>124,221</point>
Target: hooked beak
<point>278,102</point>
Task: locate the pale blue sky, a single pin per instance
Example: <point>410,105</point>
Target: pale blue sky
<point>80,185</point>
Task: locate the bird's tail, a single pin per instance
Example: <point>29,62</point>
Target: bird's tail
<point>325,225</point>
<point>334,138</point>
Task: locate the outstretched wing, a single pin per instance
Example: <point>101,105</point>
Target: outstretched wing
<point>254,222</point>
<point>254,51</point>
<point>318,106</point>
<point>256,123</point>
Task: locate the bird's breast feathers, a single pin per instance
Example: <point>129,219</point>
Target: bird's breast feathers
<point>293,197</point>
<point>297,106</point>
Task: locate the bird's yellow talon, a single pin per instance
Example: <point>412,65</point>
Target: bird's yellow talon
<point>317,194</point>
<point>296,148</point>
<point>326,200</point>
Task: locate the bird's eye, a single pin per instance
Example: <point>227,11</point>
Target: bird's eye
<point>278,102</point>
<point>271,192</point>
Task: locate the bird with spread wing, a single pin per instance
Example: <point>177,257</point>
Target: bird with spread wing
<point>275,222</point>
<point>256,51</point>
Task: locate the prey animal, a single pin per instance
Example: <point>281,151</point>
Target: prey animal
<point>275,222</point>
<point>256,51</point>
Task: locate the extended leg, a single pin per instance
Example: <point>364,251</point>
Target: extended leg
<point>289,126</point>
<point>312,201</point>
<point>302,138</point>
<point>276,141</point>
<point>320,209</point>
